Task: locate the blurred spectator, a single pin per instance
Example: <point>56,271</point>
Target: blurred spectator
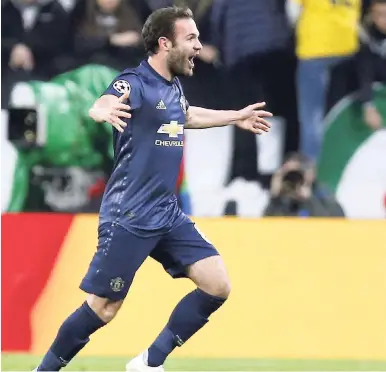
<point>372,61</point>
<point>205,88</point>
<point>326,35</point>
<point>253,38</point>
<point>246,29</point>
<point>108,32</point>
<point>295,192</point>
<point>33,41</point>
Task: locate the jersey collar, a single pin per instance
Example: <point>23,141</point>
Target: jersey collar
<point>146,64</point>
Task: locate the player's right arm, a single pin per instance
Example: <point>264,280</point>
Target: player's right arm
<point>111,109</point>
<point>119,101</point>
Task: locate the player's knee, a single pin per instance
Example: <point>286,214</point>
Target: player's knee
<point>220,288</point>
<point>224,288</point>
<point>104,308</point>
<point>108,314</point>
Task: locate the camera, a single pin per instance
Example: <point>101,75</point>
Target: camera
<point>26,129</point>
<point>292,180</point>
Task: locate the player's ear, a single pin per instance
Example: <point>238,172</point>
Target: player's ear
<point>164,43</point>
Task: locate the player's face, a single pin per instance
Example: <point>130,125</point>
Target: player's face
<point>185,48</point>
<point>379,16</point>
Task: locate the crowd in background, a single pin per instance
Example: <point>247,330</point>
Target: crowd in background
<point>299,56</point>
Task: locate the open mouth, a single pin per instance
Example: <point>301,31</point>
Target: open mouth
<point>191,61</point>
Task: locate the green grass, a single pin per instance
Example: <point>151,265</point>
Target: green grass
<point>24,362</point>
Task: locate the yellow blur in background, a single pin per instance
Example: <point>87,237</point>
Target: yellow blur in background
<point>301,289</point>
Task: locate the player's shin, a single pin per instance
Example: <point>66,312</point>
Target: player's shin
<point>72,336</point>
<point>189,316</point>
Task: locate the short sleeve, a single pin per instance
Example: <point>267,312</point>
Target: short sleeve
<point>127,82</point>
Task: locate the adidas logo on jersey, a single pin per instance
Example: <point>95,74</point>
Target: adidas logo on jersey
<point>161,105</point>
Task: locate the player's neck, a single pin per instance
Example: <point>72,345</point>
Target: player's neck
<point>159,65</point>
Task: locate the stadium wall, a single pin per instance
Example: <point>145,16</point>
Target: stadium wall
<point>301,289</point>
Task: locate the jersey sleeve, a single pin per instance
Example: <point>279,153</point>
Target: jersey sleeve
<point>127,82</point>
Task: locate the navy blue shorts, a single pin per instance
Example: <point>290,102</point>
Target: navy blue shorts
<point>120,253</point>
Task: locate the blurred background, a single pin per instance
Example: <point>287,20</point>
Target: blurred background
<point>321,67</point>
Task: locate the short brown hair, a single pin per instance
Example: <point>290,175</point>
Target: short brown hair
<point>161,23</point>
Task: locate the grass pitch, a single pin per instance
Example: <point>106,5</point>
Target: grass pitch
<point>25,362</point>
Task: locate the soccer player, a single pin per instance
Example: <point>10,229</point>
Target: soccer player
<point>139,215</point>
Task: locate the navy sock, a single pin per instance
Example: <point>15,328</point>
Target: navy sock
<point>72,336</point>
<point>190,315</point>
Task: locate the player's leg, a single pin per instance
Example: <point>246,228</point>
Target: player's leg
<point>75,331</point>
<point>186,253</point>
<point>111,272</point>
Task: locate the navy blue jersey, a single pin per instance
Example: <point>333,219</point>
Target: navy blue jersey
<point>140,194</point>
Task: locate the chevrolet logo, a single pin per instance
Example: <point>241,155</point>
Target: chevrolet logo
<point>173,129</point>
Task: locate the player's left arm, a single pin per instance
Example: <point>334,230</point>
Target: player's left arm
<point>250,118</point>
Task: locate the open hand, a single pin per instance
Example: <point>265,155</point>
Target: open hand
<point>252,119</point>
<point>111,111</point>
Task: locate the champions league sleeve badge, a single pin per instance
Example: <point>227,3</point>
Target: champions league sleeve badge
<point>122,86</point>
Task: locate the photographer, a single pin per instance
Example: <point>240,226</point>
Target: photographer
<point>294,192</point>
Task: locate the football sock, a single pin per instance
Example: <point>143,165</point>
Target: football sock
<point>190,315</point>
<point>72,336</point>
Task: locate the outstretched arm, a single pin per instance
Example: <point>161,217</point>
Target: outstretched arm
<point>118,102</point>
<point>250,118</point>
<point>111,109</point>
